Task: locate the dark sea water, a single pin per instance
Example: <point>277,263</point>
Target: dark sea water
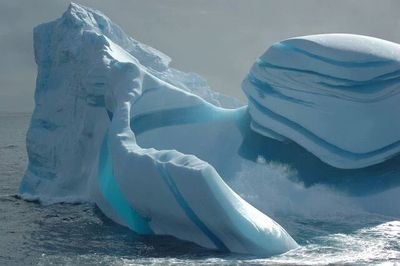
<point>78,234</point>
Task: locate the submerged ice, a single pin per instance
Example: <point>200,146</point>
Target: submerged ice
<point>158,151</point>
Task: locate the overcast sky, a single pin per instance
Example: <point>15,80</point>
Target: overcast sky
<point>219,39</point>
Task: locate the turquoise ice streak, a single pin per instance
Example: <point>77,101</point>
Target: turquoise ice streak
<point>113,195</point>
<point>189,211</point>
<point>334,61</point>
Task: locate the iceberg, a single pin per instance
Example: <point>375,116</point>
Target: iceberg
<point>160,152</point>
<point>93,81</point>
<point>334,94</point>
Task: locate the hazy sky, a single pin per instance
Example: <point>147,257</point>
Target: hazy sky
<point>218,39</point>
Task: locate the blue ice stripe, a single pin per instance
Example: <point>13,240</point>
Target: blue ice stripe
<point>263,64</point>
<point>110,114</point>
<point>188,210</point>
<point>316,139</point>
<point>265,87</point>
<point>182,116</point>
<point>113,195</point>
<point>349,64</point>
<point>365,87</point>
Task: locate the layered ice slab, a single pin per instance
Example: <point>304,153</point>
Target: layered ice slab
<point>337,95</point>
<point>96,87</point>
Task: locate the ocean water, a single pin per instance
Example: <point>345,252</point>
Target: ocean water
<point>78,234</point>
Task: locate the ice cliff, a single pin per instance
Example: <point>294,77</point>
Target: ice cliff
<point>158,151</point>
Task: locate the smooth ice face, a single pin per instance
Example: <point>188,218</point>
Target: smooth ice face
<point>337,95</point>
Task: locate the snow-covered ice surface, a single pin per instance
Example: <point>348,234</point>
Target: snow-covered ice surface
<point>161,153</point>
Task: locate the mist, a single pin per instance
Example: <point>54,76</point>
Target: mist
<point>217,39</point>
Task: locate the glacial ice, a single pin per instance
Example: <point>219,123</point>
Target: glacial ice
<point>331,93</point>
<point>160,152</point>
